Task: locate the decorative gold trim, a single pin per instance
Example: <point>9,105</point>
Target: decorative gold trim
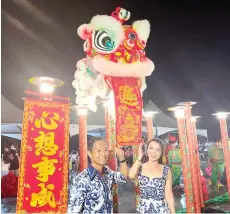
<point>20,194</point>
<point>28,106</point>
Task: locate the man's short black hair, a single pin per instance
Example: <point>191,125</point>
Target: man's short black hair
<point>94,140</point>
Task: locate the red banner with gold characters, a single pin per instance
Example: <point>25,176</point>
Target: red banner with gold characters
<point>128,103</point>
<point>43,173</point>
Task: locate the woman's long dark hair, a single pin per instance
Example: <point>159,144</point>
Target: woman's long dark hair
<point>146,158</point>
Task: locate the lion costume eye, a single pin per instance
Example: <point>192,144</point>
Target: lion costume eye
<point>132,36</point>
<point>102,41</point>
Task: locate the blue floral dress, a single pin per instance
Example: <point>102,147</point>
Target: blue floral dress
<point>152,194</point>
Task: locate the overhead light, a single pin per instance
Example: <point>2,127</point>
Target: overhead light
<point>46,87</point>
<point>221,115</point>
<point>189,103</point>
<point>82,111</point>
<point>149,114</point>
<point>178,111</point>
<point>194,118</point>
<point>46,84</point>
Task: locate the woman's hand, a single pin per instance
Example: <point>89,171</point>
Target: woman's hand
<point>141,151</point>
<point>133,172</point>
<point>169,193</point>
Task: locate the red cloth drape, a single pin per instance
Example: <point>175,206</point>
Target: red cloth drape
<point>9,185</point>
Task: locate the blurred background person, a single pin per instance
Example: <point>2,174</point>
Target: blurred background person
<point>216,159</point>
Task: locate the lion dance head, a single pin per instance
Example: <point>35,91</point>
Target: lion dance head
<point>117,49</point>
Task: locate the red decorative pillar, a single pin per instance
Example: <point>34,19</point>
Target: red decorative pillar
<point>226,145</point>
<point>107,126</point>
<point>82,113</point>
<point>136,183</point>
<point>149,123</point>
<point>150,132</point>
<point>186,163</point>
<point>112,161</point>
<point>110,138</point>
<point>191,147</point>
<point>197,164</point>
<point>148,117</point>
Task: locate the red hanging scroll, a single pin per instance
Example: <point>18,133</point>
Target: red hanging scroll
<point>128,103</point>
<point>43,178</point>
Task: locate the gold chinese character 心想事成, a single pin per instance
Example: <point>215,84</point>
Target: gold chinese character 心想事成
<point>45,168</point>
<point>47,116</point>
<point>43,197</point>
<point>45,144</point>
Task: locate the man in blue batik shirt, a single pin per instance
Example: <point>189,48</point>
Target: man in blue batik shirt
<point>91,190</point>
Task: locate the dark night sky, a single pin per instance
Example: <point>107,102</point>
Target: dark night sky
<point>189,44</point>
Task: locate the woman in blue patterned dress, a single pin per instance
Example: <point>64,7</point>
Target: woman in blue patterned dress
<point>155,180</point>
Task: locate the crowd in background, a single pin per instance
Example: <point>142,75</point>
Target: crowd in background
<point>10,161</point>
<point>9,172</point>
<point>210,153</point>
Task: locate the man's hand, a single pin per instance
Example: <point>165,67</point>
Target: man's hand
<point>120,153</point>
<point>123,166</point>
